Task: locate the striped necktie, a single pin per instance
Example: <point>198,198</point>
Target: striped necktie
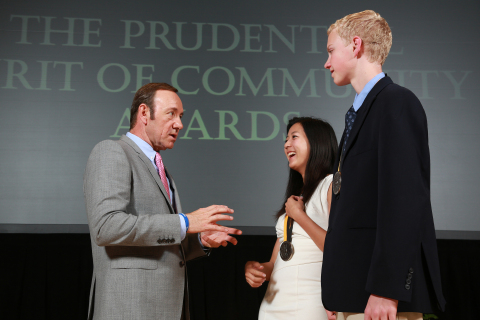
<point>161,172</point>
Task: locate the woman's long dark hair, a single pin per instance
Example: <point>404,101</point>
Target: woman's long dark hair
<point>323,149</point>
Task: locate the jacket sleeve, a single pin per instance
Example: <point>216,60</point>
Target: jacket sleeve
<point>107,189</point>
<point>403,195</point>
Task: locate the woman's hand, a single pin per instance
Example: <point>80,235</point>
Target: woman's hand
<point>294,207</point>
<point>254,274</point>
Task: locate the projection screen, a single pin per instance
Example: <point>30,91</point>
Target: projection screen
<point>69,70</point>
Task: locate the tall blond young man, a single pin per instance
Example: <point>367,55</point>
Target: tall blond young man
<point>380,258</point>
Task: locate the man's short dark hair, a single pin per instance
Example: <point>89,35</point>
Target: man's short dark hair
<point>145,95</point>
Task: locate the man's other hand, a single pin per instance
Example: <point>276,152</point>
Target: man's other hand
<point>380,308</point>
<point>215,239</point>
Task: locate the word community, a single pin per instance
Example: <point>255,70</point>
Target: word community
<point>216,80</point>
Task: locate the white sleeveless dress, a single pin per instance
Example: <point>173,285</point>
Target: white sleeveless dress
<point>294,290</point>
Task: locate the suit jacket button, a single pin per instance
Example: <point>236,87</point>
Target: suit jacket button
<point>172,240</point>
<point>408,281</point>
<point>182,263</point>
<point>159,241</point>
<point>409,276</point>
<point>407,286</point>
<point>410,270</point>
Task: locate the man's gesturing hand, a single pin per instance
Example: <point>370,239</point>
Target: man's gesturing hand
<point>380,308</point>
<point>205,219</point>
<point>215,239</point>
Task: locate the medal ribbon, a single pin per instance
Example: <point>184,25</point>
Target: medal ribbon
<point>340,161</point>
<point>288,229</point>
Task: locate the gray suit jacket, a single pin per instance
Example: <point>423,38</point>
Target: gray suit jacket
<point>139,260</point>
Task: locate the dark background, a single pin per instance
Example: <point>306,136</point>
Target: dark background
<point>47,277</point>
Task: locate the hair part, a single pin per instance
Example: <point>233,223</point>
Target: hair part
<point>145,95</point>
<point>371,28</point>
<point>323,150</point>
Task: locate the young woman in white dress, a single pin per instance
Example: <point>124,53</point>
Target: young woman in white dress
<point>294,288</point>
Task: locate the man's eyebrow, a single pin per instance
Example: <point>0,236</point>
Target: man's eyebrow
<point>174,109</point>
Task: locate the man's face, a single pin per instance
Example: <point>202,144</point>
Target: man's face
<point>163,130</point>
<point>341,62</point>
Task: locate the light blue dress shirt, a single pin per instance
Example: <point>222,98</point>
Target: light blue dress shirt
<point>359,98</point>
<point>150,153</point>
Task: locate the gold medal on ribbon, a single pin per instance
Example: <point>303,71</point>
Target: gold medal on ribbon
<point>337,182</point>
<point>286,249</point>
<point>337,177</point>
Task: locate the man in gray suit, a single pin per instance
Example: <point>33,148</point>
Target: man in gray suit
<point>140,237</point>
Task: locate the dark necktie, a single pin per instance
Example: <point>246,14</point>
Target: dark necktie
<point>349,119</point>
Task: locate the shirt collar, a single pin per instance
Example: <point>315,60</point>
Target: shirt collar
<point>143,145</point>
<point>359,98</point>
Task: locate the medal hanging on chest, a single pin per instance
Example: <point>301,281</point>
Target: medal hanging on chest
<point>337,177</point>
<point>337,182</point>
<point>286,249</point>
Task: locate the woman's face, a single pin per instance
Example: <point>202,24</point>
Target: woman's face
<point>297,149</point>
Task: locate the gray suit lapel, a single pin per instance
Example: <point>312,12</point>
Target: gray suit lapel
<point>174,187</point>
<point>149,167</point>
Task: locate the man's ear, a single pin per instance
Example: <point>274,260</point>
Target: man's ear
<point>143,113</point>
<point>357,46</point>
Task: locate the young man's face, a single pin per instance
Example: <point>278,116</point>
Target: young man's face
<point>341,62</point>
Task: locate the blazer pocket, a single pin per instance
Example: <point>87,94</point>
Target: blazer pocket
<point>359,152</point>
<point>363,220</point>
<point>364,226</point>
<point>134,262</point>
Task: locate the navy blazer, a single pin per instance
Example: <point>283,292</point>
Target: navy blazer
<point>381,237</point>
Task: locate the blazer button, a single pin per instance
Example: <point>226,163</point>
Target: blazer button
<point>407,286</point>
<point>410,270</point>
<point>172,240</point>
<point>408,281</point>
<point>182,263</point>
<point>409,276</point>
<point>159,241</point>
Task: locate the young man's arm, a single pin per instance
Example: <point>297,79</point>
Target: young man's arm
<point>403,200</point>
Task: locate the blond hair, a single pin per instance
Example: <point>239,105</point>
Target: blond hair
<point>371,28</point>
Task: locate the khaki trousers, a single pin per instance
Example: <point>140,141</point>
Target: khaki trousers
<point>360,316</point>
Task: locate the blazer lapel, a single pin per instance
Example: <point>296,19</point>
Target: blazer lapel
<point>176,199</point>
<point>363,111</point>
<point>149,167</point>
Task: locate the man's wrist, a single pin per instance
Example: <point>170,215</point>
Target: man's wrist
<point>187,223</point>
